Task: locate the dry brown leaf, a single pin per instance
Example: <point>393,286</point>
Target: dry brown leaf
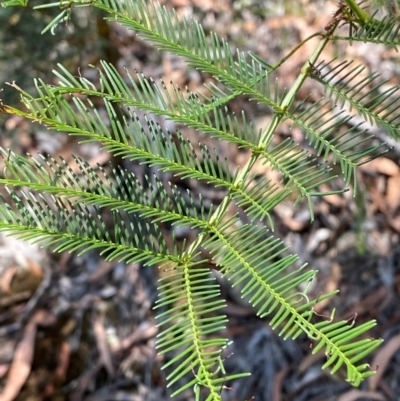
<point>3,369</point>
<point>21,364</point>
<point>60,371</point>
<point>395,223</point>
<point>378,200</point>
<point>309,360</point>
<point>331,285</point>
<point>102,345</point>
<point>294,224</point>
<point>382,165</point>
<point>63,361</point>
<point>354,394</point>
<point>23,355</point>
<point>6,279</point>
<point>335,199</point>
<point>278,383</point>
<point>143,333</point>
<point>102,270</point>
<point>393,192</point>
<point>382,359</point>
<point>6,302</point>
<point>18,279</point>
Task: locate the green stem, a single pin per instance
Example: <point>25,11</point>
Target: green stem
<point>263,143</point>
<point>289,98</point>
<point>362,15</point>
<point>271,68</point>
<point>295,49</point>
<point>363,18</point>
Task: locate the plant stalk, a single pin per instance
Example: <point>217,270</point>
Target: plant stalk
<point>264,142</point>
<point>362,15</point>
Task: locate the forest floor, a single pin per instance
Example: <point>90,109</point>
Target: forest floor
<point>83,329</point>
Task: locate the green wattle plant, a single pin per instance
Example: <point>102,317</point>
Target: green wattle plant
<point>50,202</point>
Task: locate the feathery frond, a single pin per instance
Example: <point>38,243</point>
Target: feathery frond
<point>121,191</point>
<point>185,38</point>
<point>57,223</point>
<point>256,261</point>
<point>300,170</point>
<point>329,138</point>
<point>130,139</point>
<point>191,299</point>
<point>375,103</point>
<point>191,109</point>
<point>381,32</point>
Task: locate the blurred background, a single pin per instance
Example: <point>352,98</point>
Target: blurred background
<point>79,328</point>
